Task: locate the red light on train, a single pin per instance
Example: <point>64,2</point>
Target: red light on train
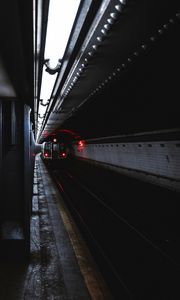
<point>46,154</point>
<point>62,154</point>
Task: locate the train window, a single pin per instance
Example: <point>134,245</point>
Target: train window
<point>47,146</point>
<point>47,150</point>
<point>55,147</point>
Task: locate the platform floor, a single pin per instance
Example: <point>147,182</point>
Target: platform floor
<point>60,266</point>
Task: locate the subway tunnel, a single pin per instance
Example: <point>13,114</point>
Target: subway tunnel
<point>89,150</point>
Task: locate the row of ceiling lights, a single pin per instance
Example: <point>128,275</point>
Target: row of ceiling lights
<point>119,8</point>
<point>110,21</point>
<point>129,60</point>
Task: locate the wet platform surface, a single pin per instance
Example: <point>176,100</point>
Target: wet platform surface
<point>60,265</point>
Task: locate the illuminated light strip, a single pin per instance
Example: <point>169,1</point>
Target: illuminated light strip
<point>56,40</point>
<point>60,21</point>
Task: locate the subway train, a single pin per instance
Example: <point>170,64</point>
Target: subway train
<point>57,150</point>
<point>54,151</point>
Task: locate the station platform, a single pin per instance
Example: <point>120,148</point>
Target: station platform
<point>60,266</point>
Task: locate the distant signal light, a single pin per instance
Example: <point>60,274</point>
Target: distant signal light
<point>81,144</point>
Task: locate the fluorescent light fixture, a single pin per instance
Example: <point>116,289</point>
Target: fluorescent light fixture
<point>47,85</point>
<point>61,17</point>
<point>60,21</point>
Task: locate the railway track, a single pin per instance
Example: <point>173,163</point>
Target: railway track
<point>129,258</point>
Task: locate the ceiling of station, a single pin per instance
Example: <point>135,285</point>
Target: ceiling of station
<point>118,71</point>
<point>113,70</point>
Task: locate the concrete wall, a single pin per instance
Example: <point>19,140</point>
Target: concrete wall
<point>17,164</point>
<point>155,161</point>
